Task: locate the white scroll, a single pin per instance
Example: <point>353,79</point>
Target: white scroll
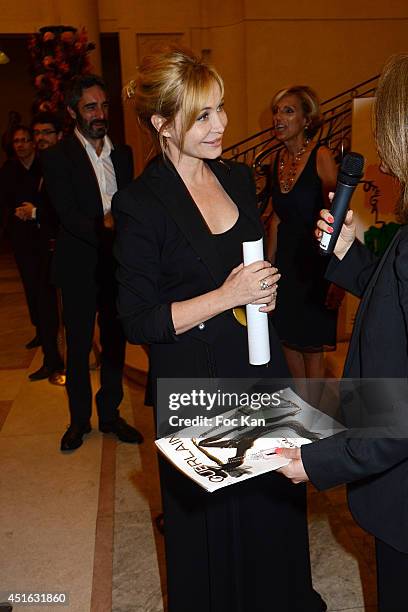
<point>257,322</point>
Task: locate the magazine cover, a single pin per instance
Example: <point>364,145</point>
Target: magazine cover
<point>239,444</point>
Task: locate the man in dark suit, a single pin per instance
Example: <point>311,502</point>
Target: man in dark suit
<point>81,175</point>
<point>20,179</point>
<point>47,132</point>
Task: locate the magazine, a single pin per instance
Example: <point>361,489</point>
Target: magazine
<point>240,444</point>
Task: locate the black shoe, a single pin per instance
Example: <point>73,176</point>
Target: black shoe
<point>34,342</point>
<point>72,438</point>
<point>40,374</point>
<point>123,430</point>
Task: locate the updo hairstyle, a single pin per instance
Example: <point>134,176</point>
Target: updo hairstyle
<point>170,82</point>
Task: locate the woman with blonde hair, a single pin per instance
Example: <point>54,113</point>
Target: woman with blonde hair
<point>302,174</point>
<point>375,463</point>
<point>180,228</point>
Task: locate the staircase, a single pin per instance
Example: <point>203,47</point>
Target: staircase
<point>335,132</point>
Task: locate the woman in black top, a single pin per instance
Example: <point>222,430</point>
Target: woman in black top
<point>180,228</point>
<point>302,175</point>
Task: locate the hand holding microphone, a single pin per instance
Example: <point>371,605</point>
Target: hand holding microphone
<point>347,231</point>
<point>350,173</point>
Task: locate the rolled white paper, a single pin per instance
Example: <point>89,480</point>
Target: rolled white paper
<point>257,322</point>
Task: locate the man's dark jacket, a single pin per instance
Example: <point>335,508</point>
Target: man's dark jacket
<point>73,188</point>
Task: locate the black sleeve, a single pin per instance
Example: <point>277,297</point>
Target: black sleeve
<point>137,249</point>
<point>8,179</point>
<point>401,272</point>
<point>129,164</point>
<point>342,459</point>
<point>59,185</point>
<point>354,271</point>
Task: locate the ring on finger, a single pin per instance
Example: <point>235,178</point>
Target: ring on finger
<point>264,285</point>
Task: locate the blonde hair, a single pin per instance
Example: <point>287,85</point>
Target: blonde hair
<point>309,103</point>
<point>168,82</point>
<point>391,124</point>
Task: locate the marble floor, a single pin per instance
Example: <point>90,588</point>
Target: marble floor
<point>82,523</point>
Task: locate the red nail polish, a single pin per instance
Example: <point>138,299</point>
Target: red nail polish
<point>330,230</point>
<point>278,451</point>
<point>331,219</point>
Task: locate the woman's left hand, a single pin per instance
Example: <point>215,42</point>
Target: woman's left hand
<point>269,303</point>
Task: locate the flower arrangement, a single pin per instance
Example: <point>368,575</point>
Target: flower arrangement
<point>58,53</point>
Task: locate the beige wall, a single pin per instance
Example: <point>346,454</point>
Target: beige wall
<point>330,55</point>
<point>258,46</point>
<point>26,16</point>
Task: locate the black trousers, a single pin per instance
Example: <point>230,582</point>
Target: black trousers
<point>80,305</point>
<point>392,576</point>
<point>25,242</point>
<point>48,315</point>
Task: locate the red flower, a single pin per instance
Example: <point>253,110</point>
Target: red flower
<point>45,106</point>
<point>55,57</point>
<point>67,37</point>
<point>32,43</point>
<point>48,36</point>
<point>48,61</point>
<point>53,83</point>
<point>38,81</point>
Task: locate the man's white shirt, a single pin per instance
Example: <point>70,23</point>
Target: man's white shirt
<point>103,167</point>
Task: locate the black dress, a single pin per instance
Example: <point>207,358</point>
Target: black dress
<point>243,548</point>
<point>301,318</point>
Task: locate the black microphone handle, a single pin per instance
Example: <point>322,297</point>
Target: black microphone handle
<point>338,211</point>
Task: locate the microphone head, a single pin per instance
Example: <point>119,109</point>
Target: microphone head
<point>351,169</point>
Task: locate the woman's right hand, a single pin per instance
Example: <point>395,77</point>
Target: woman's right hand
<point>347,233</point>
<point>244,284</point>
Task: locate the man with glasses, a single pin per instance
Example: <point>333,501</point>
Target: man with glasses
<point>46,130</point>
<point>20,180</point>
<point>81,175</point>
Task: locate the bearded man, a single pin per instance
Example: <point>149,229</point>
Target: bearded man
<point>81,175</point>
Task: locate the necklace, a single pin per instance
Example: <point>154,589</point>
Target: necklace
<point>287,178</point>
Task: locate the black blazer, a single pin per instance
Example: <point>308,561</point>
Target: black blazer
<point>377,468</point>
<point>165,254</point>
<point>46,218</point>
<point>72,186</point>
<point>18,185</point>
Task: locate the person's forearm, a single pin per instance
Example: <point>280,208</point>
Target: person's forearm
<point>190,313</point>
<point>341,248</point>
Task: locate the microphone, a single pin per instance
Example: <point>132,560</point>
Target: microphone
<point>350,174</point>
